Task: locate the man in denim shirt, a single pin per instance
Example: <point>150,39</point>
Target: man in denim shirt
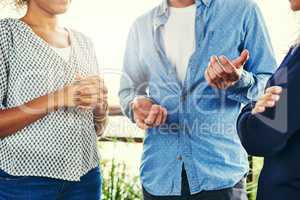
<point>188,100</point>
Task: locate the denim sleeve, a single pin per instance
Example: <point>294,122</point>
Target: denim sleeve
<point>261,64</point>
<point>134,81</point>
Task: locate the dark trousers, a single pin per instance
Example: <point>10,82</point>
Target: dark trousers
<point>236,193</point>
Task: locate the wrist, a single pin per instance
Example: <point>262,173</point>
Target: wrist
<point>244,81</point>
<point>58,99</point>
<point>101,109</point>
<point>142,97</point>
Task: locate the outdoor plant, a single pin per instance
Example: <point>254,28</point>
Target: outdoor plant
<point>117,183</point>
<point>252,180</point>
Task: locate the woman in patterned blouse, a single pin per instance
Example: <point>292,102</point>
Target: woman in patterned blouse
<point>52,107</point>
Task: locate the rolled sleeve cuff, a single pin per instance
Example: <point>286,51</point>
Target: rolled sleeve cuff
<point>245,81</point>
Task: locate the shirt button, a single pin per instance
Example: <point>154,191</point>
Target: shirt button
<point>179,158</point>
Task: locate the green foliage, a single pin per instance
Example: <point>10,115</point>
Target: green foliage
<point>252,180</point>
<point>118,185</point>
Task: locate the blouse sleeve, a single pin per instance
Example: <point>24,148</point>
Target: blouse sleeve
<point>4,47</point>
<point>95,70</point>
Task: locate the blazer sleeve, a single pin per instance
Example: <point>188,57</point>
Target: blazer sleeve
<point>268,133</point>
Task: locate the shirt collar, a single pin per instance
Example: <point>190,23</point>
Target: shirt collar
<point>163,8</point>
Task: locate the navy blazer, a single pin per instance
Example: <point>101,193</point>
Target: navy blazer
<point>275,135</point>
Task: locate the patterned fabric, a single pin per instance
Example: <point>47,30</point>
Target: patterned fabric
<point>63,144</point>
<point>200,131</point>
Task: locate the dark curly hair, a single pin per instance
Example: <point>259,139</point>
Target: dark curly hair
<point>21,2</point>
<point>18,3</point>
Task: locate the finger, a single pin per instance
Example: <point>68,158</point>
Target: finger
<point>141,125</point>
<point>266,103</point>
<point>154,112</point>
<point>226,64</point>
<point>87,102</point>
<point>207,77</point>
<point>141,109</point>
<point>262,101</point>
<point>93,99</point>
<point>138,117</point>
<point>165,115</point>
<point>89,91</point>
<point>209,80</point>
<point>231,71</point>
<point>258,109</point>
<point>143,106</point>
<point>217,67</point>
<point>140,114</point>
<point>159,118</point>
<point>270,97</point>
<point>85,108</point>
<point>104,88</point>
<point>270,104</point>
<point>211,73</point>
<point>275,90</point>
<point>242,59</point>
<point>212,78</point>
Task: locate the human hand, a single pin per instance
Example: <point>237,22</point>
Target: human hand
<point>85,93</point>
<point>268,100</point>
<point>222,73</point>
<point>147,114</point>
<point>92,93</point>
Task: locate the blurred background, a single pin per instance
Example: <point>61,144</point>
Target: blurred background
<point>108,23</point>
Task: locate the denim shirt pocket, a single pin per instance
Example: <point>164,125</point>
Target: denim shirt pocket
<point>222,42</point>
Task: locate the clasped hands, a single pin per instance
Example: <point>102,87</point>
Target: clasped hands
<point>223,73</point>
<point>86,93</point>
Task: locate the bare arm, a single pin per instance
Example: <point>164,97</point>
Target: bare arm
<point>15,119</point>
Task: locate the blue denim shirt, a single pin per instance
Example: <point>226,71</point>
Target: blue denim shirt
<point>200,129</point>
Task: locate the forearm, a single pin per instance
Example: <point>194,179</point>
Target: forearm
<point>101,125</point>
<point>15,119</point>
<point>101,119</point>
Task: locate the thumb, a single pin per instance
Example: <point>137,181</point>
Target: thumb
<point>242,59</point>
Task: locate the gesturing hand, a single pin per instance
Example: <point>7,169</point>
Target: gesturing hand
<point>147,114</point>
<point>268,100</point>
<point>222,73</point>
